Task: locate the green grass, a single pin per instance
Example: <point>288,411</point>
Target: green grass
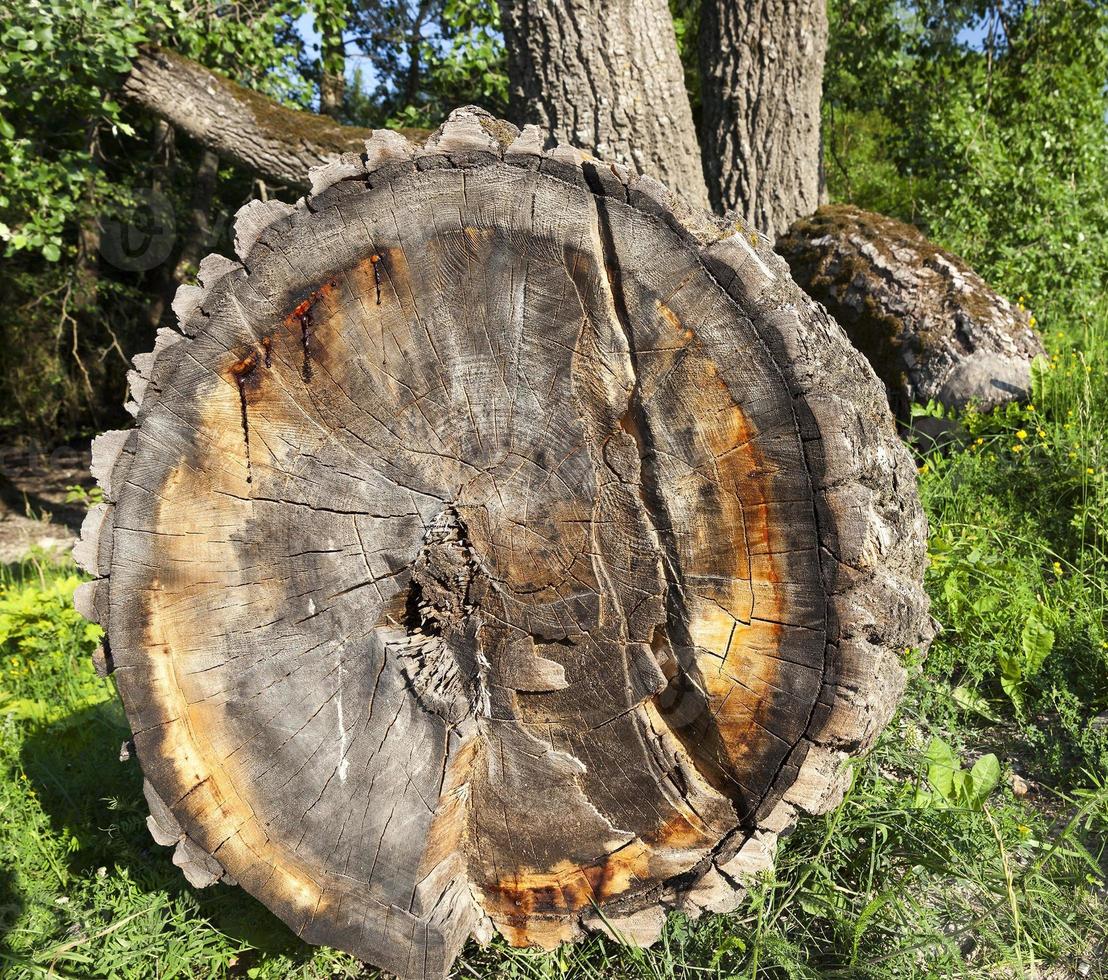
<point>909,877</point>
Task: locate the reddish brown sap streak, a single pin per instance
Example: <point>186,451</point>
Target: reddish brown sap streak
<point>374,259</point>
<point>241,371</point>
<point>267,348</point>
<point>303,315</point>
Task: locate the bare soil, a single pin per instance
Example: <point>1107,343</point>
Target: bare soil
<point>34,484</point>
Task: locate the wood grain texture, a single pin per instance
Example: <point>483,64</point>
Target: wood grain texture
<point>501,546</point>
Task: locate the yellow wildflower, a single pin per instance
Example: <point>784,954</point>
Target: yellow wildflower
<point>1021,435</point>
<point>1017,448</point>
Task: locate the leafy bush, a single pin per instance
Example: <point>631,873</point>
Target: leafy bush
<point>998,149</point>
<point>45,647</point>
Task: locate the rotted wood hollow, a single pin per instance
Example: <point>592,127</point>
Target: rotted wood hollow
<point>500,548</point>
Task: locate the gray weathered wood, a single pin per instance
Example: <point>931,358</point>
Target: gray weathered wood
<point>241,125</point>
<point>500,552</point>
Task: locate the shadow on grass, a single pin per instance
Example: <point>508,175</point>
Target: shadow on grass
<point>86,791</point>
<point>11,902</point>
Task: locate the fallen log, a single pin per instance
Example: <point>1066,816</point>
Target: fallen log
<point>930,326</point>
<point>254,132</point>
<point>500,547</point>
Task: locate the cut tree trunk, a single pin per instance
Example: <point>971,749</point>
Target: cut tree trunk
<point>931,327</point>
<point>501,546</point>
<point>605,75</point>
<point>761,80</point>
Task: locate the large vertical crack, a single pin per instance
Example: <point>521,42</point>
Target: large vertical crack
<point>683,702</point>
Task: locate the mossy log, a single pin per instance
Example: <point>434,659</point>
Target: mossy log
<point>931,327</point>
<point>500,547</point>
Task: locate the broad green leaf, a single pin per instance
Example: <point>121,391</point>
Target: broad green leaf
<point>942,764</point>
<point>984,777</point>
<point>970,700</point>
<point>1036,641</point>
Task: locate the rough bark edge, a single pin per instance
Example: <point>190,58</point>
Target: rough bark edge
<point>871,525</point>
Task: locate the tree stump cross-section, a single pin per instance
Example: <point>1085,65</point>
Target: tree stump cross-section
<point>502,546</point>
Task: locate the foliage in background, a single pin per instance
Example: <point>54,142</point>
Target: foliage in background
<point>59,75</point>
<point>1019,560</point>
<point>426,57</point>
<point>79,167</point>
<point>73,159</point>
<point>985,124</point>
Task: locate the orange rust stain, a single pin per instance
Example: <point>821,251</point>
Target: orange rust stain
<point>368,277</point>
<point>304,307</point>
<point>530,907</point>
<point>517,899</point>
<point>243,367</point>
<point>302,317</point>
<point>719,560</point>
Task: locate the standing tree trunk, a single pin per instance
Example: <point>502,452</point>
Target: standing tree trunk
<point>761,71</point>
<point>604,75</point>
<point>496,551</point>
<point>330,21</point>
<point>198,239</point>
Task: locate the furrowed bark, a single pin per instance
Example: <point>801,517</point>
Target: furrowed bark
<point>761,79</point>
<point>605,75</point>
<point>501,546</point>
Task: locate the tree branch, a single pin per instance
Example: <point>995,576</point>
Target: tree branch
<point>240,125</point>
